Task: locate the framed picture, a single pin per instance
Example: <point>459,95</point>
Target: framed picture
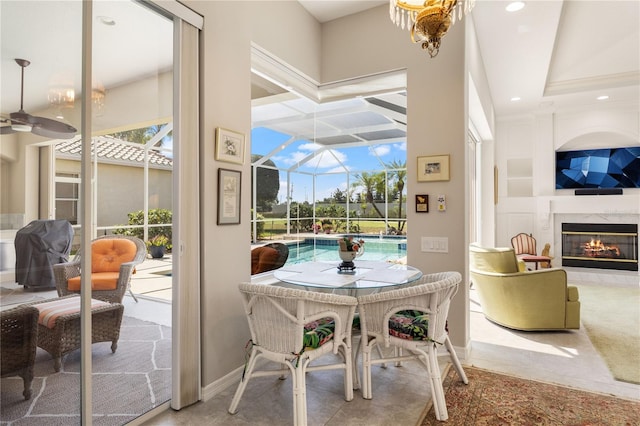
<point>228,197</point>
<point>422,203</point>
<point>433,168</point>
<point>229,146</point>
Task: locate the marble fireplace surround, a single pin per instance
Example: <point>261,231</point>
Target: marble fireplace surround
<point>595,209</point>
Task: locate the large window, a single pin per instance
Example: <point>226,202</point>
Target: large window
<point>332,167</point>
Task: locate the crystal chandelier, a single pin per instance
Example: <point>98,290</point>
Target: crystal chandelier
<point>428,20</point>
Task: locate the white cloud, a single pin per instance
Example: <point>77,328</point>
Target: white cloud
<point>326,160</point>
<point>381,150</point>
<point>309,147</point>
<point>401,146</point>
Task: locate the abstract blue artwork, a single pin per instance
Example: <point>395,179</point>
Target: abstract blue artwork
<point>598,168</point>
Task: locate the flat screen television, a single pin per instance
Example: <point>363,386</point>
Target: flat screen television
<point>598,168</point>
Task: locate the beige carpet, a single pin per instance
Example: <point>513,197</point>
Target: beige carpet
<point>498,399</point>
<point>611,317</point>
<point>126,384</point>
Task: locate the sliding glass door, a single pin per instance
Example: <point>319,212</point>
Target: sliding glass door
<point>114,176</point>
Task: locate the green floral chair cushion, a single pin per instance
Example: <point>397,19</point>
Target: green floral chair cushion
<point>409,325</point>
<point>319,332</point>
<point>356,322</point>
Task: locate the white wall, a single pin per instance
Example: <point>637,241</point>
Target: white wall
<point>229,29</point>
<point>436,124</point>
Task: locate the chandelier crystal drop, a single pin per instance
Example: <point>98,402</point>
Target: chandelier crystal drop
<point>428,20</point>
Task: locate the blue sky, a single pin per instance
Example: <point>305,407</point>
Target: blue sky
<point>329,166</point>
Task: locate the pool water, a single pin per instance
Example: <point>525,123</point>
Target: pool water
<point>317,250</point>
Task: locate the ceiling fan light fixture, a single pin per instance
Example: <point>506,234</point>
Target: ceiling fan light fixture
<point>428,20</point>
<point>18,127</point>
<point>20,122</point>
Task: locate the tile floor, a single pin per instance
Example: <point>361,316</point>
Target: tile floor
<point>400,394</point>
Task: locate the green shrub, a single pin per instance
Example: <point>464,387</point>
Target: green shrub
<point>156,216</point>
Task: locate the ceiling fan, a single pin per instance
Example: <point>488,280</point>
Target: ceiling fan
<point>21,121</point>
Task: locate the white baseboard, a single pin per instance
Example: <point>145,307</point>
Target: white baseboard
<point>220,385</point>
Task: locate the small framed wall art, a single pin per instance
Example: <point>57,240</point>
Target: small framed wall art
<point>433,168</point>
<point>229,146</point>
<point>422,203</point>
<point>229,197</point>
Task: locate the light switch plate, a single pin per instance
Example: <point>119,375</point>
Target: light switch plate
<point>435,244</point>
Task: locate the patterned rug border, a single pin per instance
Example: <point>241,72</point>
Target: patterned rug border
<point>509,415</point>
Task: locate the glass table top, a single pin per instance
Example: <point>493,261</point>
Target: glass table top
<point>367,274</point>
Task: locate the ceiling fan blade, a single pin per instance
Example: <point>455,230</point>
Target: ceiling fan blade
<point>5,130</point>
<point>40,126</point>
<point>49,128</point>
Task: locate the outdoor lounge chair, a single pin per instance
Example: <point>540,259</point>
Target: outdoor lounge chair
<point>113,262</point>
<point>18,339</point>
<point>268,257</point>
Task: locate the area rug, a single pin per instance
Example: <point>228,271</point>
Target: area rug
<point>497,399</point>
<point>126,384</point>
<point>611,318</point>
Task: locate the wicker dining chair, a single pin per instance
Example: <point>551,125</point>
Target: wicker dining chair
<point>292,328</point>
<point>18,340</point>
<point>412,318</point>
<point>118,265</point>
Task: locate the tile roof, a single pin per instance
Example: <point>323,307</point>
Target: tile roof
<point>114,150</point>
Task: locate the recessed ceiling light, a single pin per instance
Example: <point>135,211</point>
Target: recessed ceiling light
<point>514,6</point>
<point>515,99</point>
<point>602,98</point>
<point>106,20</point>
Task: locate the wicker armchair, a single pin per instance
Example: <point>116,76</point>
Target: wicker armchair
<point>65,271</point>
<point>412,318</point>
<point>283,323</point>
<point>18,339</point>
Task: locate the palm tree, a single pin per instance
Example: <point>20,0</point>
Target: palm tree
<point>370,181</point>
<point>399,172</point>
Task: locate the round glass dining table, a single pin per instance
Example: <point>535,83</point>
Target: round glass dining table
<point>368,275</point>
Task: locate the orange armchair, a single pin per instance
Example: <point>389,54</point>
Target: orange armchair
<point>113,261</point>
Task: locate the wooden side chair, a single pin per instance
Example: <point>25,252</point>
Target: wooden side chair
<point>524,244</point>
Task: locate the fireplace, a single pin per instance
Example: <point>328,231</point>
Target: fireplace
<point>600,245</point>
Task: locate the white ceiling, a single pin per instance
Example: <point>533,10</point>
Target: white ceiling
<point>552,54</point>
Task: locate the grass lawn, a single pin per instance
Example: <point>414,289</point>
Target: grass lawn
<point>274,227</point>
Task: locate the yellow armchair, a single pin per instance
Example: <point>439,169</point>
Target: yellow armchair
<point>522,300</point>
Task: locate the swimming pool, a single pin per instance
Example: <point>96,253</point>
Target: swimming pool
<point>325,249</point>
